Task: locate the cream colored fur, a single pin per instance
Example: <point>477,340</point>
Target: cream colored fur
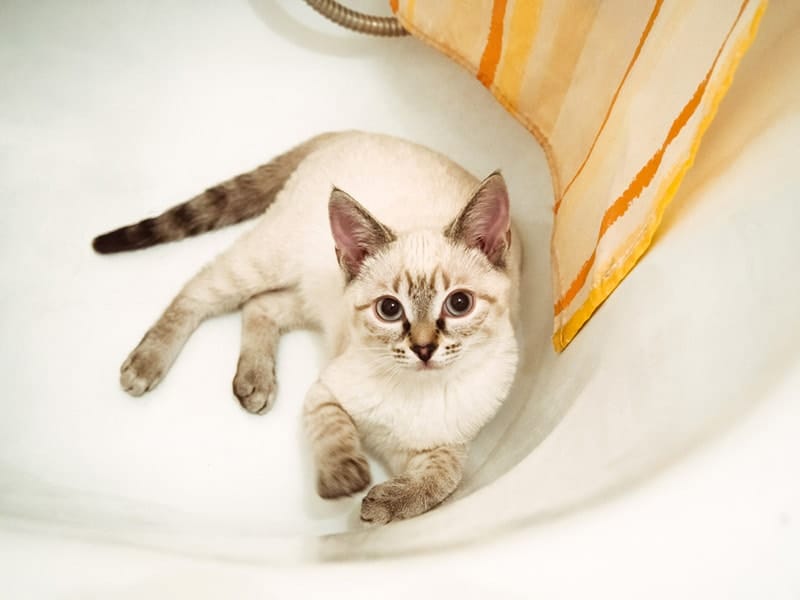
<point>285,274</point>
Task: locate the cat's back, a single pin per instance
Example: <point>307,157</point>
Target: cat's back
<point>404,185</point>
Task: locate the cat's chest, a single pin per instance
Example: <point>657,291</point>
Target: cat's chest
<point>426,411</point>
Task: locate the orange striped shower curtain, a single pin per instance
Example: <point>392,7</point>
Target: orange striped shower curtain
<point>618,93</point>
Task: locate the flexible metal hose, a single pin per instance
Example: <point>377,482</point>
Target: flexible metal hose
<point>351,19</point>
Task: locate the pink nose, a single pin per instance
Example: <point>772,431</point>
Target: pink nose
<point>424,352</point>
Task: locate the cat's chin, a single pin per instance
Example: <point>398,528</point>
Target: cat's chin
<point>422,367</point>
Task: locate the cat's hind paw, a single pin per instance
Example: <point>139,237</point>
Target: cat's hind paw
<point>140,373</point>
<point>342,474</point>
<point>142,370</point>
<point>254,384</point>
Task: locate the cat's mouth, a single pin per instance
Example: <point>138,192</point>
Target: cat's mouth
<point>428,366</point>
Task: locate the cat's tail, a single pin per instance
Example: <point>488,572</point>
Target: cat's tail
<point>240,198</point>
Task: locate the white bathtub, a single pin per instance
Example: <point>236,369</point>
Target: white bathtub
<point>658,456</point>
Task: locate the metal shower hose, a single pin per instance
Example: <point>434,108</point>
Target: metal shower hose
<point>351,19</point>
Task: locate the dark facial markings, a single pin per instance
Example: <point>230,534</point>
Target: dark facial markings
<point>461,329</point>
<point>452,349</point>
<point>384,334</point>
<point>421,293</point>
<point>423,335</point>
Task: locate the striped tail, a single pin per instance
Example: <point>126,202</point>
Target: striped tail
<point>236,200</point>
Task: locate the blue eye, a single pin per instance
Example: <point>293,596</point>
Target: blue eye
<point>388,308</point>
<point>459,303</point>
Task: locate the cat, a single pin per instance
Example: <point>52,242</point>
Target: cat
<point>407,265</point>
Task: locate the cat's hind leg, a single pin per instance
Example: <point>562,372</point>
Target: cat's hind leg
<point>264,318</point>
<point>429,477</point>
<point>223,285</point>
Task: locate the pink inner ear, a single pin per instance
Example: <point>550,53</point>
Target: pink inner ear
<point>345,231</point>
<point>357,234</point>
<point>487,223</point>
<point>496,223</point>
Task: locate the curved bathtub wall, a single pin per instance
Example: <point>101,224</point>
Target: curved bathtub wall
<point>117,114</point>
<point>703,330</point>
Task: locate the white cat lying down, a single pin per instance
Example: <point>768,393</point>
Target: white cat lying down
<point>415,293</point>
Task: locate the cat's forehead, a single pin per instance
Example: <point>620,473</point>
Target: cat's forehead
<point>426,260</point>
<point>422,252</point>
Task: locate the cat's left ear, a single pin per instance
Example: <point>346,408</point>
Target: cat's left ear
<point>356,232</point>
<point>485,223</point>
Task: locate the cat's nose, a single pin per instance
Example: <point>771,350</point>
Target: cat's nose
<point>424,352</point>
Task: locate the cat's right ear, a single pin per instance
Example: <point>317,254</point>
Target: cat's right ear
<point>356,232</point>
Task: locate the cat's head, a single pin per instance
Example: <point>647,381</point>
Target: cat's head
<point>422,301</point>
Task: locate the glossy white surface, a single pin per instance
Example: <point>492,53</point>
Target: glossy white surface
<point>685,383</point>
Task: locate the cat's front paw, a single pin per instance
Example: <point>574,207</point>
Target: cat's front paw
<point>254,384</point>
<point>342,473</point>
<point>143,369</point>
<point>398,498</point>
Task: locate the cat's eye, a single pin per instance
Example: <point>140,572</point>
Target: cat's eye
<point>389,308</point>
<point>459,303</point>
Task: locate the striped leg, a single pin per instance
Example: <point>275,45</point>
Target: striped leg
<point>264,318</point>
<point>429,478</point>
<point>222,286</point>
<point>342,469</point>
